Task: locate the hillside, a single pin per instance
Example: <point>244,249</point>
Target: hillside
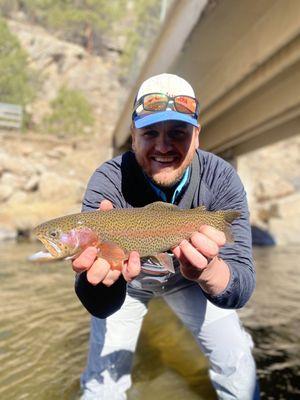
<point>43,174</point>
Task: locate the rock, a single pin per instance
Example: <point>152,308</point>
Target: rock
<point>15,165</point>
<point>287,207</point>
<point>5,192</point>
<point>54,154</point>
<point>169,382</point>
<point>18,197</point>
<point>32,184</point>
<point>274,188</point>
<point>11,180</point>
<point>7,233</point>
<point>54,187</point>
<point>286,230</point>
<point>261,237</point>
<point>64,150</point>
<point>27,149</point>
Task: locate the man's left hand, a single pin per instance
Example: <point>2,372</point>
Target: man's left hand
<point>200,262</point>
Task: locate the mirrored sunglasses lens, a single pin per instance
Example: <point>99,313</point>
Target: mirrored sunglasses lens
<point>186,105</point>
<point>155,102</point>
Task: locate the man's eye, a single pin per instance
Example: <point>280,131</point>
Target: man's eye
<point>178,134</point>
<point>150,133</point>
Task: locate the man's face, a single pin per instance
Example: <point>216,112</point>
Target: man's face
<point>164,150</point>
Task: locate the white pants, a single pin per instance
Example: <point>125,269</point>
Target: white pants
<point>217,331</point>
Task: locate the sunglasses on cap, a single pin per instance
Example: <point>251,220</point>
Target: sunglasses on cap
<point>155,102</point>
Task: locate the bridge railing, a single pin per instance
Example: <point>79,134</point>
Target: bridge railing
<point>11,116</point>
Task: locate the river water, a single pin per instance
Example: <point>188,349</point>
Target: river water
<point>44,334</point>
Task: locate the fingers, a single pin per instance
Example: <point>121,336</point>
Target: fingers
<point>194,255</point>
<point>207,246</point>
<point>85,260</point>
<point>132,267</point>
<point>111,277</point>
<point>214,234</point>
<point>101,270</point>
<point>98,272</point>
<point>106,205</point>
<point>198,250</point>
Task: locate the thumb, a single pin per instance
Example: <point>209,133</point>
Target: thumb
<point>106,205</point>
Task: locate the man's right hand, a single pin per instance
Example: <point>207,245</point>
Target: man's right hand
<point>98,269</point>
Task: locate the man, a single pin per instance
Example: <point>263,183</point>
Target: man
<point>211,278</point>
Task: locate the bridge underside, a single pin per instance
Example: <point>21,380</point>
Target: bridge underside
<point>243,59</point>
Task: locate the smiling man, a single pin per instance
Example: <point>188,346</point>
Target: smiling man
<point>165,150</point>
<point>211,279</point>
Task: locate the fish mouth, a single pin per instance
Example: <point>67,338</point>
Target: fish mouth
<point>41,256</point>
<point>52,247</point>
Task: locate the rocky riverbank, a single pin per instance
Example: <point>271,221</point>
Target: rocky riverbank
<point>41,178</point>
<point>271,176</point>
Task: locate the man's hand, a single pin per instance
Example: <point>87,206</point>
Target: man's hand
<point>98,269</point>
<point>200,262</point>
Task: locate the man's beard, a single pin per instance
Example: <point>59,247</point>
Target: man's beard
<point>172,180</point>
<point>167,184</point>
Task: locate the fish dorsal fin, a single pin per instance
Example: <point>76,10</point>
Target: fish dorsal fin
<point>160,205</point>
<point>201,208</point>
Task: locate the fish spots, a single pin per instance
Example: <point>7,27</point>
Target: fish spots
<point>148,230</point>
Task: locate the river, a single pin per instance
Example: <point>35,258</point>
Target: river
<point>44,334</point>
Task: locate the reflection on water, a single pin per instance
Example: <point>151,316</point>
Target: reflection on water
<point>44,333</point>
<point>273,318</point>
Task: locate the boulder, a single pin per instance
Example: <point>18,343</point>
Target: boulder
<point>12,180</point>
<point>5,192</point>
<point>273,188</point>
<point>7,233</point>
<point>286,230</point>
<point>32,184</point>
<point>54,187</point>
<point>18,197</point>
<point>288,207</point>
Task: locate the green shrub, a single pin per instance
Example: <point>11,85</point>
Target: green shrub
<point>71,114</point>
<point>15,80</point>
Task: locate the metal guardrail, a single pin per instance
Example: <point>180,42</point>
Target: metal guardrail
<point>11,116</point>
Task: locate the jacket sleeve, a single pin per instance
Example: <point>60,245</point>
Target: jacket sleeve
<point>100,300</point>
<point>229,193</point>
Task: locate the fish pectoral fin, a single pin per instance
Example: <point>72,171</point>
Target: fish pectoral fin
<point>166,260</point>
<point>113,254</point>
<point>160,205</point>
<point>158,264</point>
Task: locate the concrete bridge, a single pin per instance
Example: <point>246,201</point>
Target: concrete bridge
<point>242,58</point>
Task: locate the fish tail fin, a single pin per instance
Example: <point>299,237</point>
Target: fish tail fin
<point>229,216</point>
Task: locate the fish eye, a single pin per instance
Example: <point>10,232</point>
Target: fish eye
<point>54,234</point>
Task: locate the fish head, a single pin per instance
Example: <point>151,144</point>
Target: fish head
<point>64,239</point>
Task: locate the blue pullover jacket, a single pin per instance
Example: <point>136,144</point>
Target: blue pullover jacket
<point>212,182</point>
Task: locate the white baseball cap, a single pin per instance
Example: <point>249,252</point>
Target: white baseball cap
<point>171,85</point>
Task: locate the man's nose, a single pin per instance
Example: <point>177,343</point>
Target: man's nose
<point>163,143</point>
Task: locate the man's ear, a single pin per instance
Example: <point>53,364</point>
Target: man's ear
<point>132,129</point>
<point>197,133</point>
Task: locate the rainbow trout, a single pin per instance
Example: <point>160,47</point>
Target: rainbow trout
<point>151,230</point>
